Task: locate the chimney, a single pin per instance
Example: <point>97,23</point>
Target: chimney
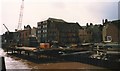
<point>103,22</point>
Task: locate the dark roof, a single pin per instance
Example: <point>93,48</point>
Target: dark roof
<point>62,25</point>
<point>67,26</point>
<point>116,23</point>
<point>83,27</point>
<point>56,20</point>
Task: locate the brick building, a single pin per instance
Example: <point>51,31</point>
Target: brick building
<point>7,39</point>
<point>91,33</point>
<point>57,30</point>
<point>24,35</point>
<point>111,31</point>
<point>84,35</point>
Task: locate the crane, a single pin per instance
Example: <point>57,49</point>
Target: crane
<point>6,28</point>
<point>20,16</point>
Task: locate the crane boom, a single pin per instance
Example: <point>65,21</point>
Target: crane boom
<point>6,28</point>
<point>20,16</point>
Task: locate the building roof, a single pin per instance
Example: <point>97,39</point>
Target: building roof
<point>116,23</point>
<point>56,20</point>
<point>63,25</point>
<point>67,26</point>
<point>84,27</point>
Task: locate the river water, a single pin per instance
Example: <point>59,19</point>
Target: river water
<point>18,63</point>
<point>11,63</point>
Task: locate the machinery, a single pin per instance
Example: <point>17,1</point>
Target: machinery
<point>6,28</point>
<point>20,16</point>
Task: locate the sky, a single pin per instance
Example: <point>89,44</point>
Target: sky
<point>81,11</point>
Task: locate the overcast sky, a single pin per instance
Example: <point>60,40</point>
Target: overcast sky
<point>81,11</point>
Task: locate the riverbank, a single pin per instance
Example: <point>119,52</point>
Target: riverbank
<point>13,62</point>
<point>45,63</point>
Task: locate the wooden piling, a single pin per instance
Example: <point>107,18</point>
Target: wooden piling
<point>2,64</point>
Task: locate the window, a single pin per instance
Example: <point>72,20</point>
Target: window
<point>44,31</point>
<point>39,31</point>
<point>44,35</point>
<point>39,27</point>
<point>45,26</point>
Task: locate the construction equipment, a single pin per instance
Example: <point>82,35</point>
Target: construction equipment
<point>6,28</point>
<point>20,16</point>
